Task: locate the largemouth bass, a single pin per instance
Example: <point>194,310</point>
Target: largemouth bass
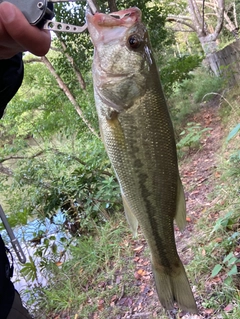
<point>138,135</point>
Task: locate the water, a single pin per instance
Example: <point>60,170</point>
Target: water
<point>51,233</point>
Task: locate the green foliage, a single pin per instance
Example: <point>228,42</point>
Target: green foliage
<point>185,96</point>
<point>190,138</point>
<point>42,112</point>
<point>234,158</point>
<point>207,85</point>
<point>90,274</point>
<point>178,69</point>
<point>29,270</point>
<point>84,188</point>
<point>229,264</point>
<point>77,45</point>
<point>233,132</point>
<point>225,222</point>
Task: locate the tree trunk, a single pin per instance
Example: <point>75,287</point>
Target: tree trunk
<point>195,21</point>
<point>208,45</point>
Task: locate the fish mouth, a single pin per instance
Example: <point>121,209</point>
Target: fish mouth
<point>122,18</point>
<point>103,26</point>
<point>125,17</point>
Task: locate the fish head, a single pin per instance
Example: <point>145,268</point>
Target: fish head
<point>122,57</point>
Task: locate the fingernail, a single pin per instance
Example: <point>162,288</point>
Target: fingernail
<point>8,13</point>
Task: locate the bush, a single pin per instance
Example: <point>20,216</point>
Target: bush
<point>177,70</point>
<point>191,91</point>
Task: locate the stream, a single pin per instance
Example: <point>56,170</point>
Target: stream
<point>37,236</point>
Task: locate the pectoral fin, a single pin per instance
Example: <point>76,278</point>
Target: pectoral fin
<point>132,220</point>
<point>181,207</point>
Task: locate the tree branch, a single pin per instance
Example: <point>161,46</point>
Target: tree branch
<point>229,24</point>
<point>176,19</point>
<point>235,15</point>
<point>220,17</point>
<point>69,95</point>
<point>180,30</point>
<point>203,15</point>
<point>32,60</point>
<point>80,161</point>
<point>173,16</point>
<point>75,68</point>
<point>196,16</point>
<point>21,157</point>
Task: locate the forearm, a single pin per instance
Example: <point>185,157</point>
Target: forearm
<point>11,75</point>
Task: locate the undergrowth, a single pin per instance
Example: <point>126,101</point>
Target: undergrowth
<point>98,272</point>
<point>216,263</point>
<point>187,96</point>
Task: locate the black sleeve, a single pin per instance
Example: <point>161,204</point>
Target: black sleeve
<point>6,286</point>
<point>11,75</point>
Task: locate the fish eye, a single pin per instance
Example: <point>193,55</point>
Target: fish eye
<point>134,41</point>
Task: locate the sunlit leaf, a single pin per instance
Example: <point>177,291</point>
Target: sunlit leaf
<point>216,270</point>
<point>233,271</point>
<point>233,132</point>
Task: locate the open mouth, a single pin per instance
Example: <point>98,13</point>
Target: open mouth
<point>120,18</point>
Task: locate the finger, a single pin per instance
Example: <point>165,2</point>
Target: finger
<point>29,37</point>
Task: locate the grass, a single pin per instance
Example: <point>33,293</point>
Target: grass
<point>100,268</point>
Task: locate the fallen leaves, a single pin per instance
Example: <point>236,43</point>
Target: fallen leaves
<point>188,316</point>
<point>138,249</point>
<point>229,308</point>
<point>100,305</point>
<point>141,273</point>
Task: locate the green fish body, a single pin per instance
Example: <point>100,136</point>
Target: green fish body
<point>139,138</point>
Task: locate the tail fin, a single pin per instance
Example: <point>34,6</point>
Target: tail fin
<point>174,288</point>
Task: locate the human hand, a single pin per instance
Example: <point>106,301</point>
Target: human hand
<point>17,35</point>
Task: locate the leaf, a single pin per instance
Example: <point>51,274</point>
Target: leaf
<point>233,132</point>
<point>228,257</point>
<point>139,248</point>
<point>58,263</point>
<point>141,272</point>
<point>228,281</point>
<point>216,270</point>
<point>229,308</point>
<point>233,271</point>
<point>100,304</point>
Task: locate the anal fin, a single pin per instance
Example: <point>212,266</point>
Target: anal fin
<point>131,218</point>
<point>180,216</point>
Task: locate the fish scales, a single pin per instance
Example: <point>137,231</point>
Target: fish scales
<point>138,135</point>
<point>140,166</point>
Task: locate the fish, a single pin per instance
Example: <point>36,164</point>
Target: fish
<point>138,135</point>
